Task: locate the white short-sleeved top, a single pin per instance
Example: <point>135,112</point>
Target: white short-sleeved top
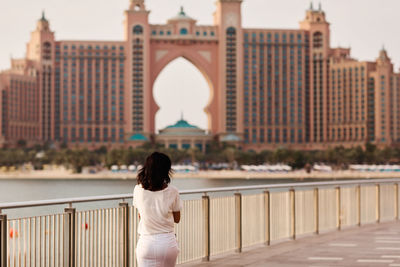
<point>155,209</point>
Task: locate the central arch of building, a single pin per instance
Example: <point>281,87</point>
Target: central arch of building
<point>202,55</point>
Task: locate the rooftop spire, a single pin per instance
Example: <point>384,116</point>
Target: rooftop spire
<point>43,18</point>
<point>43,24</point>
<point>311,6</point>
<point>181,16</point>
<point>182,12</point>
<point>383,56</point>
<point>320,6</point>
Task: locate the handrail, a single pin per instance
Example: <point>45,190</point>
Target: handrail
<point>287,185</point>
<point>70,201</point>
<point>61,201</point>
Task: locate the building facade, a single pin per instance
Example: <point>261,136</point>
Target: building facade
<point>270,88</point>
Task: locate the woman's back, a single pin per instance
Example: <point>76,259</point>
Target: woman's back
<point>156,208</point>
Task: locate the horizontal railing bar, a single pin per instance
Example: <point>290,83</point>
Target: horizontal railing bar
<point>52,202</point>
<point>61,201</point>
<point>286,185</point>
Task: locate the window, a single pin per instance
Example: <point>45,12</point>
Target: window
<point>138,29</point>
<point>89,134</point>
<point>105,134</point>
<point>65,134</point>
<point>73,134</point>
<point>183,31</point>
<point>97,135</point>
<point>231,31</point>
<point>47,51</point>
<point>81,134</point>
<point>318,40</point>
<point>121,135</point>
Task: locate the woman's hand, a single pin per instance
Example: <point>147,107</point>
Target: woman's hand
<point>177,216</point>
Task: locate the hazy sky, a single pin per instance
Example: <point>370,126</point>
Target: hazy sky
<point>364,25</point>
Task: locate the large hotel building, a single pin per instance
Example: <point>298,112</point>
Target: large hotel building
<point>270,88</point>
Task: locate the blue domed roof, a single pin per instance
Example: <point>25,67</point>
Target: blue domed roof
<point>138,137</point>
<point>182,124</point>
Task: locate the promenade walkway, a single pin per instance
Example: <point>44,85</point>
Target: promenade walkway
<point>371,245</point>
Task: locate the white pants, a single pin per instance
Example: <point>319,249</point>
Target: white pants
<point>159,250</point>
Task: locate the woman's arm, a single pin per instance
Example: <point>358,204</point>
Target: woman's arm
<point>177,216</point>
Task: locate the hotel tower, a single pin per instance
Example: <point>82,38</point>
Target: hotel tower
<point>269,88</point>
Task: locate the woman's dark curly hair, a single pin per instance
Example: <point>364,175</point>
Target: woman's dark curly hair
<point>156,172</point>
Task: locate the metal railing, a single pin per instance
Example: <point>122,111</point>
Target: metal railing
<point>212,223</point>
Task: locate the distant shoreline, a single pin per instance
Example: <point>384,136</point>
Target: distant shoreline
<point>300,175</point>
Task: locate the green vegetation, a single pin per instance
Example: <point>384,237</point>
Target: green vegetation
<point>338,157</point>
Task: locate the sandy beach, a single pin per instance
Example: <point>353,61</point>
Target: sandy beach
<point>226,174</point>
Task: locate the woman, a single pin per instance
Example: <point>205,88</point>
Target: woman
<point>159,206</point>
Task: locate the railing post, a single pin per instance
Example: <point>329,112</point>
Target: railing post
<point>3,240</point>
<point>238,216</point>
<point>70,235</point>
<point>293,212</point>
<point>339,209</point>
<point>396,204</point>
<point>206,223</point>
<point>126,248</point>
<point>378,203</point>
<point>358,195</point>
<point>316,210</point>
<point>135,235</point>
<point>267,218</point>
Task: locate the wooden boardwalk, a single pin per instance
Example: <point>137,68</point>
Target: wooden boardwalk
<point>371,245</point>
